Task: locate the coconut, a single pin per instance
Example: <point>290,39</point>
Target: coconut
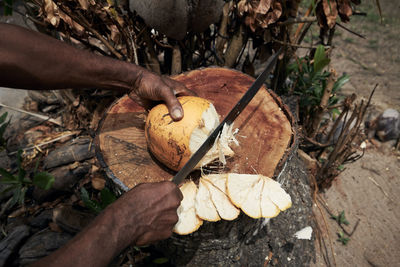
<point>174,142</point>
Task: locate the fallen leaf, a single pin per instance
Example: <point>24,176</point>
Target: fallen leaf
<point>84,4</point>
<point>263,6</point>
<point>330,10</point>
<point>51,11</point>
<point>344,9</point>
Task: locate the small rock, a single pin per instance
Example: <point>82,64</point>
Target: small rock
<point>388,125</point>
<point>11,242</point>
<point>77,150</point>
<point>42,220</point>
<point>41,244</point>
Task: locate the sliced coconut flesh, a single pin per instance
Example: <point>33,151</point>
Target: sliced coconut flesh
<point>188,221</point>
<point>252,203</point>
<point>268,208</point>
<point>224,206</point>
<point>239,185</point>
<point>205,207</point>
<point>276,193</point>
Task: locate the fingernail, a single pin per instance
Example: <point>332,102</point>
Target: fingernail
<point>176,113</point>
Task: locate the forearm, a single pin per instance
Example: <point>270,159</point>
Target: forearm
<point>32,60</point>
<point>96,245</point>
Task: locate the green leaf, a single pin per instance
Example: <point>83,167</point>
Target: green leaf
<point>344,240</point>
<point>340,82</point>
<point>320,59</point>
<point>342,218</point>
<point>21,171</point>
<point>340,167</point>
<point>160,260</point>
<point>37,164</point>
<point>16,196</point>
<point>3,117</point>
<point>107,197</point>
<point>43,180</point>
<point>21,199</point>
<point>8,7</point>
<point>90,204</point>
<point>8,178</point>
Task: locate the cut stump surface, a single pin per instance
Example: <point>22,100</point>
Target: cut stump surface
<point>265,130</point>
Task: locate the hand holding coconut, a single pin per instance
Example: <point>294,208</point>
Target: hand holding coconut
<point>149,87</point>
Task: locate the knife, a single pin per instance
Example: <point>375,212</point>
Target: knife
<point>232,115</point>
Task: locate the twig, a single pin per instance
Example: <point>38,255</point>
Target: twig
<point>301,25</point>
<point>315,194</point>
<point>98,35</point>
<point>297,20</point>
<point>380,187</point>
<point>268,259</point>
<point>45,143</point>
<point>322,201</point>
<point>296,45</point>
<point>350,31</point>
<point>43,117</point>
<point>322,105</point>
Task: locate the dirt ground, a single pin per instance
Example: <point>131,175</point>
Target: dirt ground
<point>368,190</point>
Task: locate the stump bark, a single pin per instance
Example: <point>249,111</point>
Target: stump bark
<point>267,144</point>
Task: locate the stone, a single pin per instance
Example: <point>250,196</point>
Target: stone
<point>11,242</point>
<point>42,220</point>
<point>40,245</point>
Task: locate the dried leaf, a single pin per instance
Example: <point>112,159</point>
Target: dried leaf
<point>344,9</point>
<point>263,6</point>
<point>51,11</point>
<point>84,4</point>
<point>115,34</point>
<point>330,10</point>
<point>242,7</point>
<point>72,24</point>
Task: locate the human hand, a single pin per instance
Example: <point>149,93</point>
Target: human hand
<point>147,213</point>
<point>150,87</point>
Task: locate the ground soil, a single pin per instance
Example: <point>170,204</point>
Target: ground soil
<point>369,189</point>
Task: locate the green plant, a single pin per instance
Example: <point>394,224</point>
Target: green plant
<point>341,238</point>
<point>341,218</point>
<point>8,7</point>
<point>3,126</point>
<point>106,198</point>
<point>309,82</point>
<point>20,182</point>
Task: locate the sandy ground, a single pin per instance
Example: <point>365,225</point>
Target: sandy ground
<point>369,189</point>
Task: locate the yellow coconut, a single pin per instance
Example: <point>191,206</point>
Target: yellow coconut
<point>173,142</point>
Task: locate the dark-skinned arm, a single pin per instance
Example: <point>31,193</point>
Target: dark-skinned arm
<point>144,215</point>
<point>31,60</point>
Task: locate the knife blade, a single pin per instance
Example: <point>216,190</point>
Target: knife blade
<point>232,115</point>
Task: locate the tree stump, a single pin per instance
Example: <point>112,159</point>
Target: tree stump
<point>267,143</point>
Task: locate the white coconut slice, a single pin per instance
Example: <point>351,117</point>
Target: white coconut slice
<point>275,192</point>
<point>218,180</point>
<point>239,185</point>
<point>268,208</point>
<point>224,206</point>
<point>188,221</point>
<point>252,204</point>
<point>205,208</point>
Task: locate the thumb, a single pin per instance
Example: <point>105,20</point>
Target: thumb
<point>174,107</point>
